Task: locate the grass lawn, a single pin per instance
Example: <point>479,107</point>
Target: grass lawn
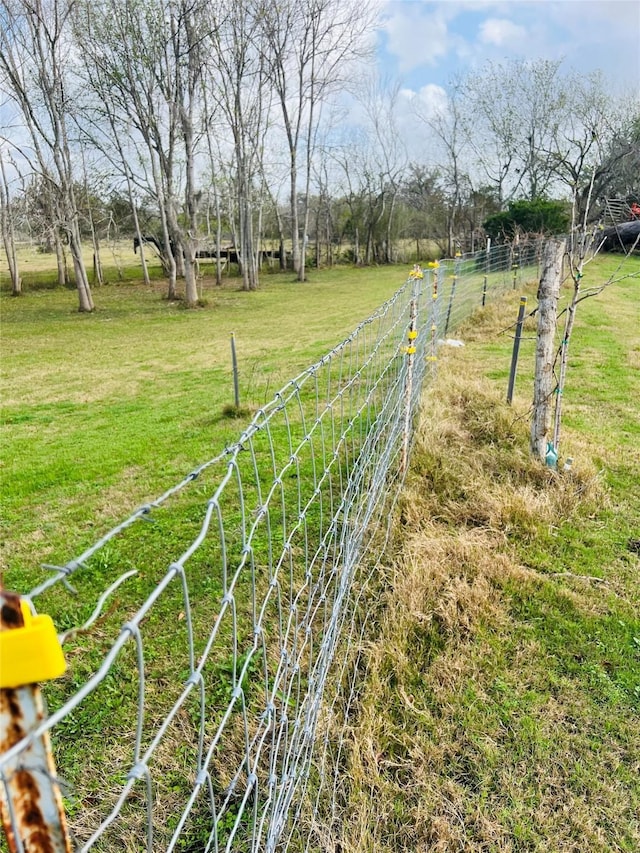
<point>102,412</point>
<point>508,661</point>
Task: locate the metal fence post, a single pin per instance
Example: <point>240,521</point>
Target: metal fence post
<point>234,364</point>
<point>487,268</point>
<point>32,809</point>
<point>516,348</point>
<point>456,270</point>
<point>433,355</point>
<point>410,350</point>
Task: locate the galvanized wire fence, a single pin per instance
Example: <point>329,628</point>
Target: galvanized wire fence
<point>214,654</point>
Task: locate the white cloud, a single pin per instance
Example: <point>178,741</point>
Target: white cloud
<point>416,39</point>
<point>500,31</point>
<point>435,41</point>
<point>432,100</point>
<point>414,108</point>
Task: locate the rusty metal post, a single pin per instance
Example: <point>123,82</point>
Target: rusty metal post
<point>452,295</point>
<point>432,358</point>
<point>32,809</point>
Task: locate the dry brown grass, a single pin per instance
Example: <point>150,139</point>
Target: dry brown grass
<point>471,736</point>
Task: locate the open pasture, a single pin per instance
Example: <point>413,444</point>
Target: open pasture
<point>508,659</point>
<point>104,412</point>
<point>100,412</point>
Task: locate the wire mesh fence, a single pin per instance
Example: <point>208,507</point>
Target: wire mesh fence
<point>214,653</point>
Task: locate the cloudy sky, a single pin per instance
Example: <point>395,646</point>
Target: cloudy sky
<point>425,43</point>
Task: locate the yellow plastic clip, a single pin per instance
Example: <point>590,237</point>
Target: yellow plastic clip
<point>409,350</point>
<point>31,653</point>
<point>412,335</point>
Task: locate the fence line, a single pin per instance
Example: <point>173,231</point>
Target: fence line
<point>213,715</point>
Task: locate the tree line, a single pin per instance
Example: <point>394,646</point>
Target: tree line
<point>246,122</point>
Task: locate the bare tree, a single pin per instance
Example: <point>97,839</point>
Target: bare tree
<point>583,247</point>
<point>7,229</point>
<point>447,124</point>
<point>594,141</point>
<point>239,92</point>
<point>144,62</point>
<point>380,100</point>
<point>492,126</point>
<point>33,58</point>
<point>510,113</point>
<point>309,48</point>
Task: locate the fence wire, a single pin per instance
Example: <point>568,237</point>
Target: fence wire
<point>214,653</point>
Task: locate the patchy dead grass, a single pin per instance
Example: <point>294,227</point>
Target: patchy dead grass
<point>498,708</point>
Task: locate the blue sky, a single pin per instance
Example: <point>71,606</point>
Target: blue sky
<point>425,43</point>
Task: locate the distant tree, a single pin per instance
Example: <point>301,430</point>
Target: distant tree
<point>391,153</point>
<point>578,145</point>
<point>476,207</point>
<point>539,216</point>
<point>422,193</point>
<point>308,46</point>
<point>34,61</point>
<point>238,91</point>
<point>447,125</point>
<point>493,126</point>
<point>8,231</point>
<point>144,61</point>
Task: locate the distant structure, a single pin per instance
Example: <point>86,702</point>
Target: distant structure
<point>616,210</point>
<point>621,226</point>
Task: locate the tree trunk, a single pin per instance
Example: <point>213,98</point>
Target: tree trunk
<point>190,275</point>
<point>61,260</point>
<point>216,196</point>
<point>8,235</point>
<point>544,383</point>
<point>97,263</point>
<point>281,240</point>
<point>295,223</point>
<point>389,251</point>
<point>85,300</point>
<point>136,222</point>
<point>169,259</point>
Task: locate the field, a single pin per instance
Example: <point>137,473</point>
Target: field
<point>508,653</point>
<point>133,401</point>
<point>508,660</point>
<point>105,411</point>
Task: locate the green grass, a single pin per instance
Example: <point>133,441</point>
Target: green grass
<point>102,413</point>
<point>508,661</point>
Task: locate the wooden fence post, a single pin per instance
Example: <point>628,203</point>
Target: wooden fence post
<point>30,799</point>
<point>544,385</point>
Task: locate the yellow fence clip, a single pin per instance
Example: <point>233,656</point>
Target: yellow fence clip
<point>31,653</point>
<point>413,334</point>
